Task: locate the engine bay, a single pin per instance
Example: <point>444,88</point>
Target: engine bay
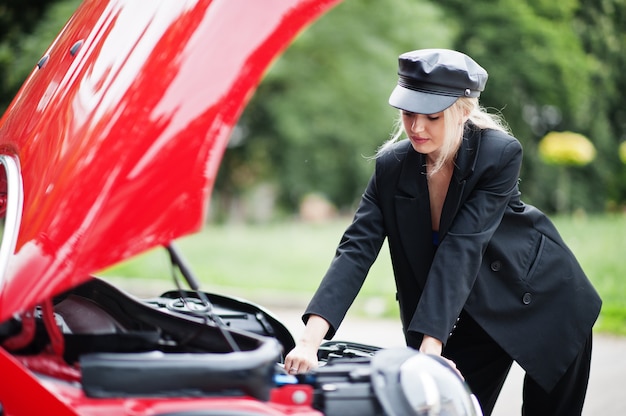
<point>108,344</point>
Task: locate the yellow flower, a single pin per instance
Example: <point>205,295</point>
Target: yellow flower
<point>566,148</point>
<point>622,152</point>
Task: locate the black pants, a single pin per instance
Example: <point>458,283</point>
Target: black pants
<point>485,367</point>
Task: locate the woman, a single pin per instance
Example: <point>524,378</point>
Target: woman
<point>481,278</point>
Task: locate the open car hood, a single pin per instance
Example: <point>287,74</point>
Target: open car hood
<point>118,133</point>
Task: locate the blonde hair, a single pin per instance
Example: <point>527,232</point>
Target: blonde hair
<point>453,129</point>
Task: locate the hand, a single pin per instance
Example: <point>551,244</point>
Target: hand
<point>303,357</point>
<point>433,346</point>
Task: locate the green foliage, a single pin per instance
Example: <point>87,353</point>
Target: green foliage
<point>540,78</point>
<point>600,26</point>
<point>322,109</point>
<point>27,28</point>
<point>533,57</point>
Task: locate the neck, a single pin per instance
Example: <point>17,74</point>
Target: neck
<point>432,168</point>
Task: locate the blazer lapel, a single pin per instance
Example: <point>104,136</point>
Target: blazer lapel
<point>463,169</point>
<point>413,204</point>
<point>413,214</point>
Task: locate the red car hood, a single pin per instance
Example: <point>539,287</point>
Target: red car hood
<point>120,130</point>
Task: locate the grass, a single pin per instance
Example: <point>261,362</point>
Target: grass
<point>599,243</point>
<point>283,264</point>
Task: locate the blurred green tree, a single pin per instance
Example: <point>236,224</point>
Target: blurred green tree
<point>541,79</point>
<point>600,25</point>
<point>322,109</point>
<point>27,28</point>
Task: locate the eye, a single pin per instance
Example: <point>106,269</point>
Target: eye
<point>433,117</point>
<point>407,114</point>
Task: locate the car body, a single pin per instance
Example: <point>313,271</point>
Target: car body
<point>111,148</point>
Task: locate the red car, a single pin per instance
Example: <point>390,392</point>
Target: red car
<point>111,148</point>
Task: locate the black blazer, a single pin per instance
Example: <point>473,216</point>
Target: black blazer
<point>499,259</point>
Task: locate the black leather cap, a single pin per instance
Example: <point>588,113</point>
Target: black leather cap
<point>431,80</point>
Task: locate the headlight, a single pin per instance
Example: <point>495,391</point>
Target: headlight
<point>407,382</point>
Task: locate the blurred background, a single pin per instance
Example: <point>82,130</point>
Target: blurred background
<point>322,108</point>
<point>300,156</point>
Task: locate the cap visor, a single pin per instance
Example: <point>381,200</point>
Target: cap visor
<point>419,102</point>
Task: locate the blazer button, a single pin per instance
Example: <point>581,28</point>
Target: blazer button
<point>496,265</point>
<point>527,298</point>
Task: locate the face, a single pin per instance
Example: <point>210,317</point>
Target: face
<point>426,132</point>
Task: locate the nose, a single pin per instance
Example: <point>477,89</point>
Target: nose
<point>416,124</point>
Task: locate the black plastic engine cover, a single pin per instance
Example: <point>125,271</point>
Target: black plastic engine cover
<point>343,387</point>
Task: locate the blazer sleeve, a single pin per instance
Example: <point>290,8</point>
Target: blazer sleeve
<point>355,254</point>
<point>459,255</point>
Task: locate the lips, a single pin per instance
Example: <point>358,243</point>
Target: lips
<point>419,140</point>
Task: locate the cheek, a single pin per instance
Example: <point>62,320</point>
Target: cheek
<point>438,132</point>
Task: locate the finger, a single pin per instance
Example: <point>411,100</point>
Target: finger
<point>453,365</point>
<point>291,365</point>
